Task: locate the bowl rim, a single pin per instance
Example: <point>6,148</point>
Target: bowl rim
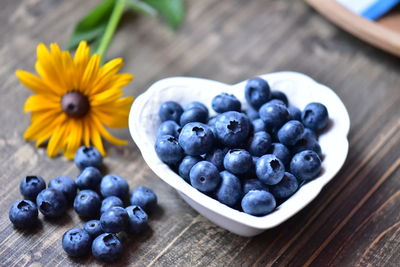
<point>167,175</point>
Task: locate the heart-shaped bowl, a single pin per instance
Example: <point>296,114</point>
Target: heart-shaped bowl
<point>300,89</point>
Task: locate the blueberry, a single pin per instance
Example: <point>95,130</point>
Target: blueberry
<point>76,242</point>
<point>88,156</point>
<point>170,110</point>
<point>193,115</point>
<point>270,169</point>
<point>252,114</point>
<point>294,113</point>
<point>258,125</point>
<point>114,220</point>
<point>168,149</point>
<point>226,102</point>
<point>65,185</point>
<point>230,190</point>
<point>274,115</point>
<point>276,101</point>
<point>275,94</point>
<point>211,123</point>
<point>237,161</point>
<point>290,133</point>
<point>87,204</point>
<point>257,92</point>
<point>305,165</point>
<point>258,202</point>
<point>93,228</point>
<point>232,128</point>
<point>186,164</point>
<point>51,203</point>
<point>107,247</point>
<point>253,184</point>
<point>281,152</point>
<point>204,176</point>
<point>109,202</point>
<point>23,214</point>
<point>89,178</point>
<point>113,185</point>
<point>216,157</point>
<point>31,186</point>
<point>137,219</point>
<point>308,133</point>
<point>196,104</point>
<point>286,187</point>
<point>259,143</point>
<point>169,128</point>
<point>196,138</point>
<point>307,142</point>
<point>315,116</point>
<point>144,197</point>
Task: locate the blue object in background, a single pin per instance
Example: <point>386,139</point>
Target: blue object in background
<point>369,9</point>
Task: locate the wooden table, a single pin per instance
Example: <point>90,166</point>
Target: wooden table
<point>354,221</point>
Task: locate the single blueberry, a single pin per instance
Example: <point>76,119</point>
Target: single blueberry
<point>113,185</point>
<point>290,133</point>
<point>258,202</point>
<point>253,184</point>
<point>258,125</point>
<point>230,190</point>
<point>315,116</point>
<point>274,115</point>
<point>31,186</point>
<point>270,169</point>
<point>196,104</point>
<point>294,113</point>
<point>252,114</point>
<point>307,142</point>
<point>237,161</point>
<point>109,202</point>
<point>226,102</point>
<point>193,115</point>
<point>281,152</point>
<point>204,176</point>
<point>76,242</point>
<point>144,197</point>
<point>88,156</point>
<point>89,178</point>
<point>114,220</point>
<point>275,94</point>
<point>137,219</point>
<point>170,110</point>
<point>169,128</point>
<point>232,128</point>
<point>216,157</point>
<point>186,164</point>
<point>308,133</point>
<point>87,204</point>
<point>259,144</point>
<point>305,165</point>
<point>257,92</point>
<point>23,214</point>
<point>93,228</point>
<point>168,149</point>
<point>65,185</point>
<point>196,138</point>
<point>51,203</point>
<point>107,247</point>
<point>286,187</point>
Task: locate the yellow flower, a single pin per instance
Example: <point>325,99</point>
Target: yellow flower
<point>75,98</point>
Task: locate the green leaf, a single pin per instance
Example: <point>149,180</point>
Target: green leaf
<point>141,7</point>
<point>172,11</point>
<point>92,26</point>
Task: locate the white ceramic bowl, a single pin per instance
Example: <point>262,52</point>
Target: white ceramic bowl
<point>301,90</point>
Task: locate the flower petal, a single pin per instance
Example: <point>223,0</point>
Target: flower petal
<point>104,133</point>
<point>42,102</point>
<point>90,74</point>
<point>43,123</point>
<point>32,82</point>
<point>74,138</point>
<point>57,140</point>
<point>96,138</point>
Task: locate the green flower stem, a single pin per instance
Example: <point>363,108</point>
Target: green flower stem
<point>111,27</point>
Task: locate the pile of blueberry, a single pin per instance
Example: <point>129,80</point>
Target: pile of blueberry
<point>248,159</point>
<point>100,202</point>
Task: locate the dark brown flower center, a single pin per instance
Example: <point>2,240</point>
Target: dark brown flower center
<point>75,104</point>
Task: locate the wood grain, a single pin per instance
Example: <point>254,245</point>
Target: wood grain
<point>353,222</point>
